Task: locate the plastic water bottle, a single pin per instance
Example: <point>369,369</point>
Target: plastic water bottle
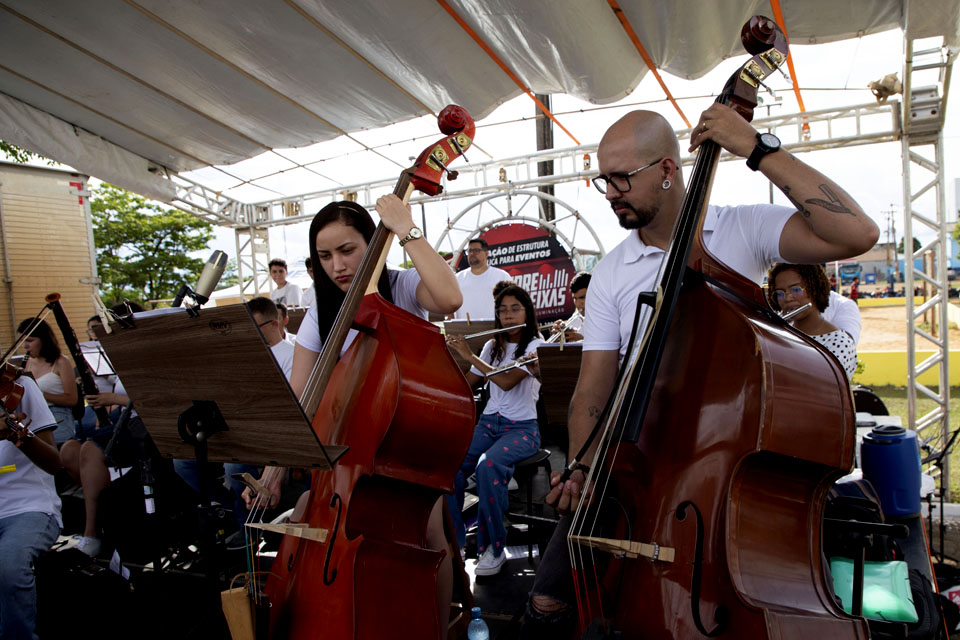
<point>478,629</point>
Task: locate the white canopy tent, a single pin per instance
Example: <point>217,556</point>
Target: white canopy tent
<point>134,91</point>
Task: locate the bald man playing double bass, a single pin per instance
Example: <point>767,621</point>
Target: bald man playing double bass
<point>640,175</point>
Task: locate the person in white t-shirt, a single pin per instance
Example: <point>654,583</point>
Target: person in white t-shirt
<point>286,292</point>
<point>508,431</point>
<point>640,175</point>
<point>791,286</point>
<point>477,283</point>
<point>845,314</point>
<point>29,509</point>
<point>266,313</point>
<point>309,296</point>
<point>573,326</point>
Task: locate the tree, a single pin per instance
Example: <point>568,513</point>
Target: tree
<point>18,155</point>
<point>916,246</point>
<point>956,234</point>
<point>142,249</point>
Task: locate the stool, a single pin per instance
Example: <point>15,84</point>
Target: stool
<point>524,472</point>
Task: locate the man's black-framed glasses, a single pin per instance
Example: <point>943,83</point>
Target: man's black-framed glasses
<point>620,181</point>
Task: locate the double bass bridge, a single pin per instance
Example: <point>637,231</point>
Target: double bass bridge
<point>628,548</point>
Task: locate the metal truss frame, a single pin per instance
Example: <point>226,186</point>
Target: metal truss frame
<point>924,109</point>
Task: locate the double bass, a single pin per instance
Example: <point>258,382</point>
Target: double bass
<point>400,405</point>
<point>703,509</point>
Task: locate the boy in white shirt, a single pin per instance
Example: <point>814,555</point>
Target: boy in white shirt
<point>286,292</point>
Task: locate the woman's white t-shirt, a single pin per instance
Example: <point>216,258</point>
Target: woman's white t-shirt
<point>520,402</point>
<point>403,287</point>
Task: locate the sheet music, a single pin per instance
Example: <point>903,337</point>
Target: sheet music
<point>96,359</point>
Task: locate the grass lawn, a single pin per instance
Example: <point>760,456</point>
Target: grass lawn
<point>896,400</point>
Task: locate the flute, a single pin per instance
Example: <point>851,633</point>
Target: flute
<point>492,332</point>
<point>791,314</point>
<point>513,365</point>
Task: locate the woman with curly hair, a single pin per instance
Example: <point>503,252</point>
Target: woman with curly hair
<point>508,431</point>
<point>789,287</point>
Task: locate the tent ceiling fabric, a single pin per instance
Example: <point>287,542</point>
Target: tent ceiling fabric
<point>191,84</point>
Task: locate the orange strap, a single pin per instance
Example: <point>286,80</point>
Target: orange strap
<point>778,16</point>
<point>622,17</point>
<point>502,65</point>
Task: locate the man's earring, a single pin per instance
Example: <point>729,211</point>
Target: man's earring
<point>666,184</point>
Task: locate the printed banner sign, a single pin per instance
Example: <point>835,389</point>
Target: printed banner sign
<point>537,262</point>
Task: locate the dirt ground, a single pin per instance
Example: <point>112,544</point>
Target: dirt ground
<point>884,329</point>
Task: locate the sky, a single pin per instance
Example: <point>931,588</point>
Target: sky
<point>830,75</point>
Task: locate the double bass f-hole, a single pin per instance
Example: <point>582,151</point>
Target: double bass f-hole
<point>335,501</point>
<point>721,616</point>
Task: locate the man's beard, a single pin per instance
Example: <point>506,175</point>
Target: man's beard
<point>640,217</point>
<point>473,261</point>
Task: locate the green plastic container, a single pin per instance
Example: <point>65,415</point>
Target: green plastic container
<point>886,589</point>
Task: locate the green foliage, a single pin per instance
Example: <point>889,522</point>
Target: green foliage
<point>916,245</point>
<point>18,155</point>
<point>142,249</point>
<point>956,234</point>
<point>230,276</point>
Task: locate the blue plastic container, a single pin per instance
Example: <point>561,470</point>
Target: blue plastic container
<point>890,458</point>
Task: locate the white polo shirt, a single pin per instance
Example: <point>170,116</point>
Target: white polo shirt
<point>25,487</point>
<point>745,238</point>
<point>843,313</point>
<point>520,402</point>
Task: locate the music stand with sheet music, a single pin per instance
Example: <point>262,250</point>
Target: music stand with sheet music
<point>216,368</point>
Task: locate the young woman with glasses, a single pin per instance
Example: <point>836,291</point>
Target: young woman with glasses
<point>508,431</point>
<point>791,286</point>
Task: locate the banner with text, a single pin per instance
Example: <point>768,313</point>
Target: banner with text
<point>537,262</point>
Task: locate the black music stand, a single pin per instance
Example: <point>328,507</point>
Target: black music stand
<point>208,388</point>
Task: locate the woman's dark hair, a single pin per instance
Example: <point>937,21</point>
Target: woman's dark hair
<point>815,283</point>
<point>329,296</point>
<point>530,329</point>
<point>49,347</point>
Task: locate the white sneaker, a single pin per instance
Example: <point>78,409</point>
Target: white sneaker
<point>489,564</point>
<point>89,546</point>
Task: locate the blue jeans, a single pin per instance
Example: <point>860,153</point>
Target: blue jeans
<point>188,470</point>
<point>66,425</point>
<point>23,537</point>
<point>498,444</point>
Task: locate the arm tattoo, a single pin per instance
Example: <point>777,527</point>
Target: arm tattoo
<point>799,205</point>
<point>833,202</point>
<point>595,412</point>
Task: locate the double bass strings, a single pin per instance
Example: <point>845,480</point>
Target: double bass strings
<point>591,499</point>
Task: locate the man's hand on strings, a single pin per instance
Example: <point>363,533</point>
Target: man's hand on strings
<point>566,496</point>
<point>727,128</point>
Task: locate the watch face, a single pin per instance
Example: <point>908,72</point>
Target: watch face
<point>416,233</point>
<point>769,140</point>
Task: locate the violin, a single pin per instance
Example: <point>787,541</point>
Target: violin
<point>359,565</point>
<point>703,509</point>
<point>11,394</point>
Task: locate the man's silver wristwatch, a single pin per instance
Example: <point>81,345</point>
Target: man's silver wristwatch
<point>413,234</point>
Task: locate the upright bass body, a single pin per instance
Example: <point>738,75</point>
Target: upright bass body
<point>399,402</point>
<point>749,425</point>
